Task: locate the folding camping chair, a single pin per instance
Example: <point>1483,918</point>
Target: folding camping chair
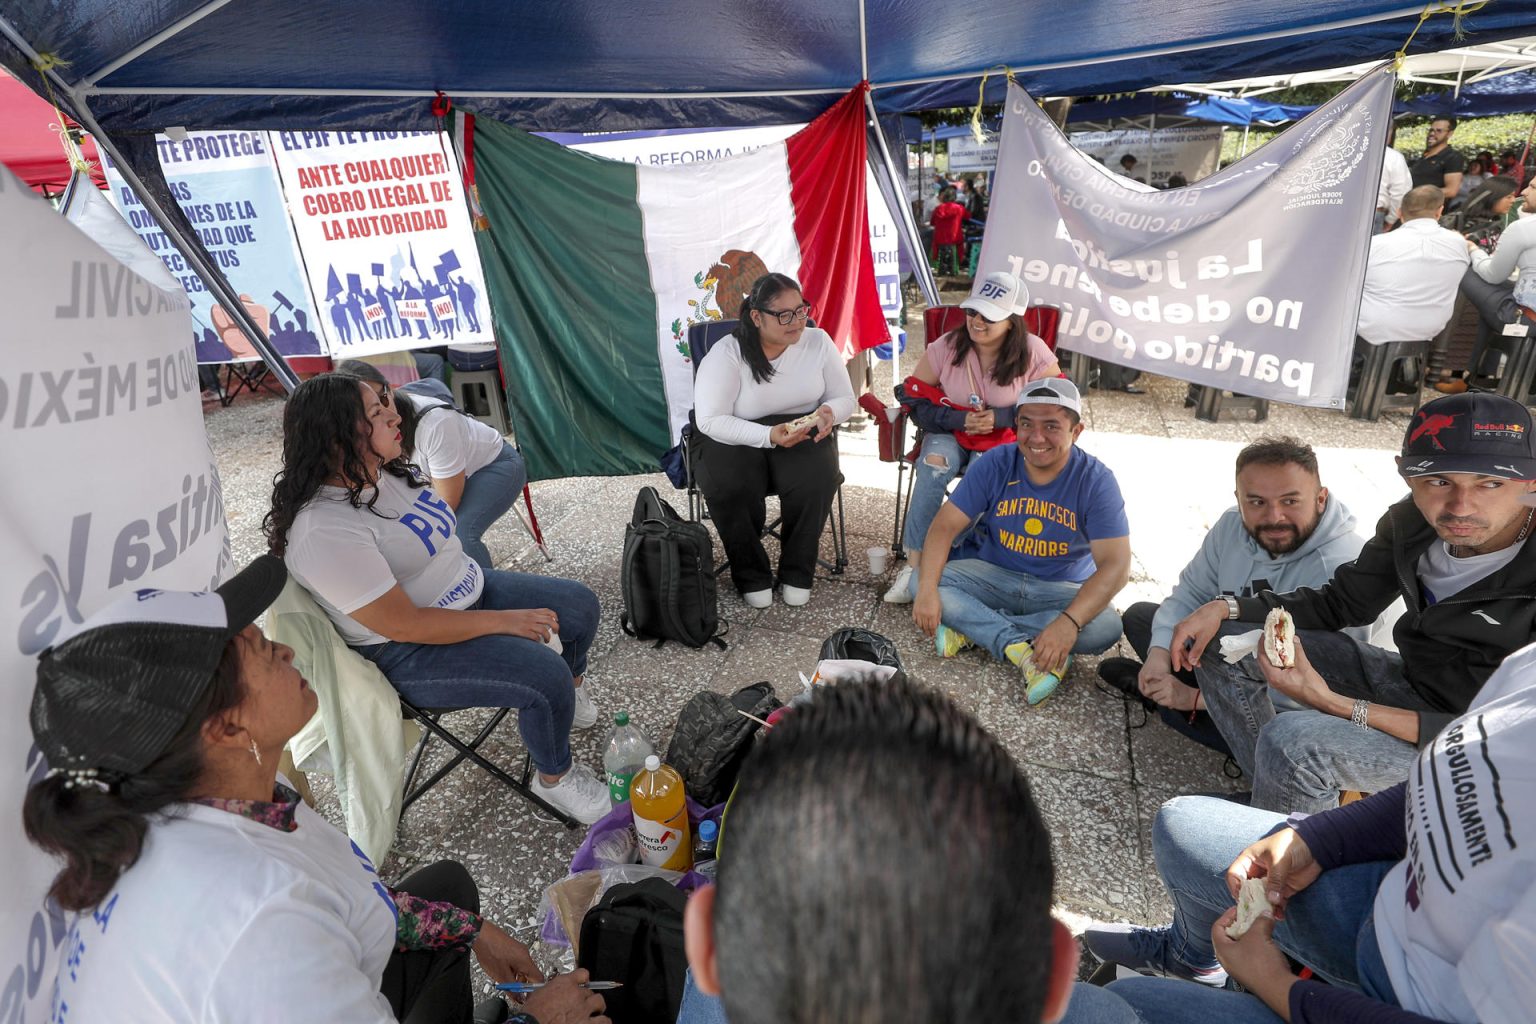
<point>430,721</point>
<point>702,338</point>
<point>937,320</point>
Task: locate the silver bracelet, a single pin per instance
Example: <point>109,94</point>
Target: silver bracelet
<point>1358,717</point>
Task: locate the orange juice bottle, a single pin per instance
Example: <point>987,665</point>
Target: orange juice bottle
<point>661,816</point>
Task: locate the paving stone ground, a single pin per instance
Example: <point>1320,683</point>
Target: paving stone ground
<point>1099,773</point>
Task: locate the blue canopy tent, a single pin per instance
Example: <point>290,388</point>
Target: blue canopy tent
<point>126,70</point>
<point>1234,111</point>
<point>1513,93</point>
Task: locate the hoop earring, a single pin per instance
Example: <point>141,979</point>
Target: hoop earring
<point>255,751</point>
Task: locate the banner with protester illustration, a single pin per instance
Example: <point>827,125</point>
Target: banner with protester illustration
<point>100,415</point>
<point>1249,280</point>
<point>226,185</point>
<point>386,238</point>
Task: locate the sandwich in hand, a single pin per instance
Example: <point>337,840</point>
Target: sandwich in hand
<point>796,425</point>
<point>1280,639</point>
<point>1252,902</point>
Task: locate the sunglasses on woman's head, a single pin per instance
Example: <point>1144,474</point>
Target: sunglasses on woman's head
<point>789,316</point>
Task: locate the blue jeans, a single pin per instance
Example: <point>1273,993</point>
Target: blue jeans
<point>698,1008</point>
<point>506,671</point>
<point>994,607</point>
<point>488,493</point>
<point>1299,759</point>
<point>929,485</point>
<point>1328,926</point>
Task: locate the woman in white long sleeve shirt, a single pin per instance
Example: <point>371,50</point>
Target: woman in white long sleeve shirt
<point>749,393</point>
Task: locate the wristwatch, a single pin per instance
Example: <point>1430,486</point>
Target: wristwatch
<point>1232,609</point>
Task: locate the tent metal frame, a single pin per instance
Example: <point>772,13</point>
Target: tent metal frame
<point>190,245</point>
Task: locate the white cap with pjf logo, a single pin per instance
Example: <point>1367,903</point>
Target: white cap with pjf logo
<point>998,296</point>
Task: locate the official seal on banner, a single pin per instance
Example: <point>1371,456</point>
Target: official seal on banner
<point>1338,145</point>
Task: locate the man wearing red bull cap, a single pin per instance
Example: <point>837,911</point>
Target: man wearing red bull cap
<point>1458,550</point>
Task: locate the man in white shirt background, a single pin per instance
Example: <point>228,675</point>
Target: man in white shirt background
<point>1396,180</point>
<point>1412,274</point>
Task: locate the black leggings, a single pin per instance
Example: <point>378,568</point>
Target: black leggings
<point>431,986</point>
<point>737,479</point>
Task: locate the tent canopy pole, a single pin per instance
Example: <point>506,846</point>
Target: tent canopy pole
<point>911,235</point>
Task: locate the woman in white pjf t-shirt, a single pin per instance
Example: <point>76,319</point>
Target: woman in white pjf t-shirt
<point>471,466</point>
<point>205,890</point>
<point>749,392</point>
<point>378,550</point>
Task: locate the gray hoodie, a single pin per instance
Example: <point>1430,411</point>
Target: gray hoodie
<point>1230,561</point>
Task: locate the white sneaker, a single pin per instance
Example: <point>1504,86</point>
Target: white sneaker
<point>901,589</point>
<point>578,793</point>
<point>586,712</point>
<point>795,596</point>
<point>758,598</point>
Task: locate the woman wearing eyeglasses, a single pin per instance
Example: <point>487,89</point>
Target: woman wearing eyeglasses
<point>750,391</point>
<point>962,394</point>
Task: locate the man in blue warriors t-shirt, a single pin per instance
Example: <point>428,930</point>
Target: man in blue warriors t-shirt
<point>1033,581</point>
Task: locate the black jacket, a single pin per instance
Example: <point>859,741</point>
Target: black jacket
<point>1449,649</point>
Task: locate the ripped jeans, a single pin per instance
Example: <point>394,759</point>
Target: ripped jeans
<point>930,483</point>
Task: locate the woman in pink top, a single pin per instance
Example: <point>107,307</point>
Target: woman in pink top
<point>963,394</point>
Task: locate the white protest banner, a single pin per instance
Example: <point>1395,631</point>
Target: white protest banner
<point>1192,150</point>
<point>382,222</point>
<point>114,490</point>
<point>691,145</point>
<point>226,185</point>
<point>1249,280</point>
<point>966,154</point>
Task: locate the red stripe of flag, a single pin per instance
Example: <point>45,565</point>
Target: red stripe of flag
<point>827,186</point>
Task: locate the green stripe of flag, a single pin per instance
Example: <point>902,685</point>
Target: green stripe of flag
<point>583,377</point>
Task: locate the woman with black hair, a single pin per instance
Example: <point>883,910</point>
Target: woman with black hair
<point>1502,284</point>
<point>751,391</point>
<point>206,890</point>
<point>962,393</point>
<point>471,466</point>
<point>378,550</point>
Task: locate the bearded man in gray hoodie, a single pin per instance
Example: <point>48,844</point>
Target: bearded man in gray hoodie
<point>1285,532</point>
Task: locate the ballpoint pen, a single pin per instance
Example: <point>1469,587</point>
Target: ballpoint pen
<point>523,987</point>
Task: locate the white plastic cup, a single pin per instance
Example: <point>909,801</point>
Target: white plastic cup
<point>554,644</point>
<point>879,558</point>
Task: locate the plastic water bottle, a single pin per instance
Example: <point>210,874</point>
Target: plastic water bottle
<point>704,848</point>
<point>661,816</point>
<point>628,747</point>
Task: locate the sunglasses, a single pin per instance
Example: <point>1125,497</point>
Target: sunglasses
<point>384,395</point>
<point>788,316</point>
<point>984,319</point>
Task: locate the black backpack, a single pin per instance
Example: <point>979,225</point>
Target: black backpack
<point>711,740</point>
<point>635,935</point>
<point>668,576</point>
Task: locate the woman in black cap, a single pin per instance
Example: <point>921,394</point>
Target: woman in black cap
<point>206,890</point>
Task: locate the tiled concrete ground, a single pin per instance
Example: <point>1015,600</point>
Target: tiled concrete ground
<point>1099,777</point>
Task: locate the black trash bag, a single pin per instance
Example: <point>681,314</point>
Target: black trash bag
<point>854,644</point>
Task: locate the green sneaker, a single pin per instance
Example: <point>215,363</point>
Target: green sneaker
<point>1022,655</point>
<point>948,642</point>
<point>1039,685</point>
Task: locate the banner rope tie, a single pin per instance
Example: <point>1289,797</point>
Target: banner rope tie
<point>1457,9</point>
<point>47,62</point>
<point>977,132</point>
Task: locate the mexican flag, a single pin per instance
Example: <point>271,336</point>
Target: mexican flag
<point>596,268</point>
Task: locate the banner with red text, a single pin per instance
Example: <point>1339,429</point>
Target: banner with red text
<point>386,238</point>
